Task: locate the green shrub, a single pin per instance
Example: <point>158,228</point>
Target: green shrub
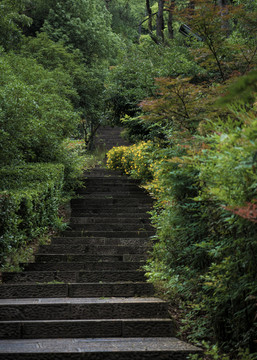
<point>28,207</point>
<point>36,112</point>
<point>27,175</point>
<point>205,254</point>
<point>133,160</point>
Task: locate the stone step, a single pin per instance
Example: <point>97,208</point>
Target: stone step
<point>46,329</point>
<point>97,349</point>
<point>102,241</point>
<point>112,200</point>
<point>111,227</point>
<point>82,308</point>
<point>121,289</point>
<point>82,276</point>
<point>117,211</point>
<point>112,203</point>
<point>110,180</point>
<point>112,190</point>
<point>92,249</point>
<point>76,266</point>
<point>106,171</point>
<point>85,258</point>
<point>101,188</point>
<point>116,141</point>
<point>113,195</point>
<point>109,234</point>
<point>113,210</point>
<point>109,220</point>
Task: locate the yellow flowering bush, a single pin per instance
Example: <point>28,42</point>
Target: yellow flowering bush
<point>134,160</point>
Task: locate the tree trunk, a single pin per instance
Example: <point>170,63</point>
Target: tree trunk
<point>149,14</point>
<point>170,19</point>
<point>159,20</point>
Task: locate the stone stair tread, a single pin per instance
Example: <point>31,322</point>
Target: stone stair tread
<point>93,249</point>
<point>104,219</point>
<point>82,308</point>
<point>75,266</point>
<point>53,290</point>
<point>88,328</point>
<point>108,346</point>
<point>79,300</point>
<point>89,192</point>
<point>91,257</point>
<point>111,227</point>
<point>114,211</point>
<point>114,234</point>
<point>81,276</point>
<point>167,320</point>
<point>101,241</point>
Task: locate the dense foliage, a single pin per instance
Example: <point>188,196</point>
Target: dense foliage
<point>197,156</point>
<point>54,57</point>
<point>29,200</point>
<point>189,103</point>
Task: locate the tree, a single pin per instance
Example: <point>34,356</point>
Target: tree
<point>126,15</point>
<point>12,19</point>
<point>209,21</point>
<point>83,25</point>
<point>36,112</point>
<point>160,20</point>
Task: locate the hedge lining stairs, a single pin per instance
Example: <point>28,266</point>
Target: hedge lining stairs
<point>86,296</point>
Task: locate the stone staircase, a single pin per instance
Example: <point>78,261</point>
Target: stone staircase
<point>107,137</point>
<point>86,296</point>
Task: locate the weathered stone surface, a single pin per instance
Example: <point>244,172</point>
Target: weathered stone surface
<point>46,329</point>
<point>110,276</point>
<point>133,234</point>
<point>109,220</point>
<point>34,311</point>
<point>117,211</point>
<point>98,349</point>
<point>101,241</point>
<point>72,328</point>
<point>40,276</point>
<point>121,289</point>
<point>10,330</point>
<point>53,258</point>
<point>89,265</point>
<point>93,249</point>
<point>81,308</point>
<point>134,257</point>
<point>111,227</point>
<point>33,290</point>
<point>147,328</point>
<point>104,202</point>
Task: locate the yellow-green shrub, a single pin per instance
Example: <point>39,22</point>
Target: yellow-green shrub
<point>133,160</point>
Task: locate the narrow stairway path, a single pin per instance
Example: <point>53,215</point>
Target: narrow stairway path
<point>86,296</point>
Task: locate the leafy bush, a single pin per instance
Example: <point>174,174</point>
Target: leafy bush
<point>27,175</point>
<point>72,154</point>
<point>28,207</point>
<point>132,160</point>
<point>133,79</point>
<point>36,113</point>
<point>205,254</point>
<point>83,25</point>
